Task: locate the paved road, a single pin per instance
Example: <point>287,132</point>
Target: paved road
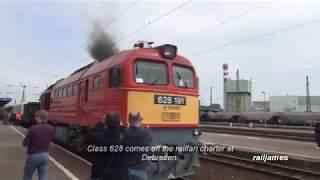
<point>62,166</point>
<point>297,149</point>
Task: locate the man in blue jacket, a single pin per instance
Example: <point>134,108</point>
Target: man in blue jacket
<point>135,135</point>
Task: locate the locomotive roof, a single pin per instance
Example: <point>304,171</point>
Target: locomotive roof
<point>118,58</point>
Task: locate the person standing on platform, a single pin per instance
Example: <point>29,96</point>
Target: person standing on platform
<point>18,118</point>
<point>96,140</point>
<point>107,165</point>
<point>5,117</point>
<point>135,135</point>
<point>317,133</point>
<point>114,167</point>
<point>38,140</point>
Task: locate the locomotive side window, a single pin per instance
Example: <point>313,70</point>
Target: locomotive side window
<point>183,77</point>
<point>84,87</point>
<point>114,77</point>
<point>150,73</point>
<point>74,89</point>
<point>96,83</point>
<point>60,92</point>
<point>64,92</point>
<point>86,90</point>
<point>69,91</point>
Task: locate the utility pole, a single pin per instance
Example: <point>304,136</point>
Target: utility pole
<point>238,103</point>
<point>308,102</point>
<point>265,107</point>
<point>238,82</point>
<point>23,97</point>
<point>225,79</point>
<point>264,101</point>
<point>210,96</point>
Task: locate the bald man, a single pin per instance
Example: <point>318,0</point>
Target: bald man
<point>135,135</point>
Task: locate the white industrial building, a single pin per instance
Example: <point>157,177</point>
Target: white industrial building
<point>293,103</point>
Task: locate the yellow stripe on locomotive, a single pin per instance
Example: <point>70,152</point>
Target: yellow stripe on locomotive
<point>159,109</point>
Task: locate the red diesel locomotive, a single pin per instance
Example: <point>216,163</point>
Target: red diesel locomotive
<point>157,82</point>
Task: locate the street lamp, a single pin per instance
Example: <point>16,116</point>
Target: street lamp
<point>264,101</point>
<point>265,107</point>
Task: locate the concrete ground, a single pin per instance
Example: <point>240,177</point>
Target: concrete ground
<point>65,165</point>
<point>62,166</point>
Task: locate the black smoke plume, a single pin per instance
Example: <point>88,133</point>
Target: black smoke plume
<point>101,45</point>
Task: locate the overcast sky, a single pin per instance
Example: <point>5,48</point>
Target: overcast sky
<point>43,41</point>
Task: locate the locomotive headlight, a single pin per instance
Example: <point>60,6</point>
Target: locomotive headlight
<point>168,51</point>
<point>196,132</point>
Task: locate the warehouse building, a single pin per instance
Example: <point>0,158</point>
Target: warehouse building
<point>261,106</point>
<point>293,103</point>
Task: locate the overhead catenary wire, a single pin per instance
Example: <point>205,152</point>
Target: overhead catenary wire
<point>145,25</point>
<point>55,74</point>
<point>142,27</point>
<point>85,43</point>
<point>226,21</point>
<point>152,21</point>
<point>255,37</point>
<point>28,69</point>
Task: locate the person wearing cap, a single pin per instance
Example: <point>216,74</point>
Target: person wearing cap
<point>135,135</point>
<point>107,164</point>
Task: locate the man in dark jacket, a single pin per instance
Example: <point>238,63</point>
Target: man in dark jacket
<point>38,140</point>
<point>5,117</point>
<point>317,133</point>
<point>96,140</point>
<point>107,164</point>
<point>135,135</point>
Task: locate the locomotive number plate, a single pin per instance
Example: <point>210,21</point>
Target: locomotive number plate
<point>171,100</point>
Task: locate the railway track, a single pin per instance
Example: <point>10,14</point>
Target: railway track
<point>292,134</point>
<point>284,172</point>
<point>242,161</point>
<point>259,125</point>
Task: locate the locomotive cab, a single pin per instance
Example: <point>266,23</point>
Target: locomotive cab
<point>163,87</point>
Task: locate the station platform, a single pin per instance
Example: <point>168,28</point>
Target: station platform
<point>293,148</point>
<point>63,165</point>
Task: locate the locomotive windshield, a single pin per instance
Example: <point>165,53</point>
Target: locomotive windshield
<point>182,77</point>
<point>150,73</point>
